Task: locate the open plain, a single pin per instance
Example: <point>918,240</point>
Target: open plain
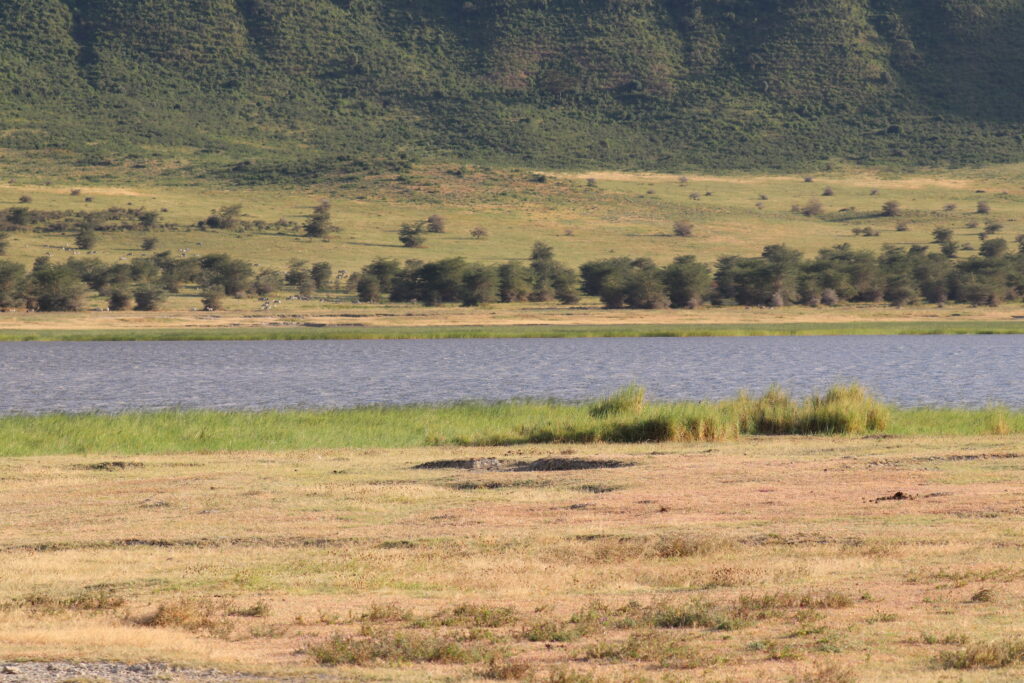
<point>769,558</point>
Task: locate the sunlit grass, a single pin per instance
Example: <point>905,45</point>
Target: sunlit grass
<point>841,410</point>
<point>518,331</point>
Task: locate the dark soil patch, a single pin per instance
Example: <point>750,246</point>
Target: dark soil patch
<point>599,488</point>
<point>899,495</point>
<point>112,466</point>
<point>542,465</point>
<point>494,485</point>
<point>481,464</point>
<point>567,464</point>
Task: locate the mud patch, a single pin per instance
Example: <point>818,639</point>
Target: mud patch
<point>495,485</point>
<point>569,464</point>
<point>480,464</point>
<point>541,465</point>
<point>112,466</point>
<point>899,495</point>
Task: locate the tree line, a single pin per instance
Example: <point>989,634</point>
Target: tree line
<point>144,283</point>
<point>779,276</point>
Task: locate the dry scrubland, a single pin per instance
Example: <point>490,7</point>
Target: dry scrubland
<point>629,214</point>
<point>769,558</point>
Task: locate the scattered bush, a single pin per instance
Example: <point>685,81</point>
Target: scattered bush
<point>892,208</point>
<point>984,208</point>
<point>149,244</point>
<point>411,235</point>
<point>436,224</point>
<point>683,228</point>
<point>478,233</point>
<point>396,648</point>
<point>985,655</point>
<point>213,298</point>
<point>149,298</point>
<point>120,300</point>
<point>812,208</point>
<point>86,238</point>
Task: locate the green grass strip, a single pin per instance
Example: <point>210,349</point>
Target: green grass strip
<point>517,331</point>
<point>462,423</point>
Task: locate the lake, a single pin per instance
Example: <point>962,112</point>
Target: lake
<point>39,377</point>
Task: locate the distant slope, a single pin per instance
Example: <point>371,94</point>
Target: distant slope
<point>306,87</point>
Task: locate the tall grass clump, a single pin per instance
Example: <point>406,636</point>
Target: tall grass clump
<point>843,409</point>
<point>628,400</point>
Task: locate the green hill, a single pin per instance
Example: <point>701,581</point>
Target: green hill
<point>259,89</point>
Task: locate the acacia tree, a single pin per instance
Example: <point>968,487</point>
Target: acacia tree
<point>319,224</point>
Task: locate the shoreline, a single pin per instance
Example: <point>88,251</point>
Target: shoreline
<point>314,331</point>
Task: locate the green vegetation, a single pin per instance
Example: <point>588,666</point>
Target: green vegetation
<point>263,91</point>
<point>518,331</point>
<point>623,418</point>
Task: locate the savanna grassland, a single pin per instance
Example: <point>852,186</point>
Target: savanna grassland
<point>583,216</point>
<point>770,558</point>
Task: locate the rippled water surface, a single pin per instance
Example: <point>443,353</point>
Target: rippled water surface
<point>129,376</point>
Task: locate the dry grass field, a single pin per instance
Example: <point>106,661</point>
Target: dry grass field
<point>584,216</point>
<point>618,214</point>
<point>772,559</point>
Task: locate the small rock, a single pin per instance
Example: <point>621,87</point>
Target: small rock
<point>9,670</point>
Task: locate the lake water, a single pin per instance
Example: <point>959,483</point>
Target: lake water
<point>131,376</point>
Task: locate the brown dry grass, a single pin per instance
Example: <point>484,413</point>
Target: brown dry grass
<point>766,558</point>
<point>293,314</point>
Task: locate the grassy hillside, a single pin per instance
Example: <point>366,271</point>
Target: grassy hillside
<point>257,90</point>
<point>584,216</point>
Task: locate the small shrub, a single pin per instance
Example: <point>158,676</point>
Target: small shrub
<point>812,208</point>
<point>949,207</point>
<point>386,612</point>
<point>75,193</point>
<point>394,648</point>
<point>829,673</point>
<point>149,244</point>
<point>808,179</point>
<point>683,228</point>
<point>501,669</point>
<point>984,208</point>
<point>481,616</point>
<point>690,545</point>
<point>991,655</point>
<point>188,614</point>
<point>891,208</point>
<point>550,631</point>
<point>85,238</point>
<point>478,233</point>
<point>664,649</point>
<point>984,595</point>
<point>259,609</point>
<point>591,182</point>
<point>874,192</point>
<point>411,236</point>
<point>436,224</point>
<point>213,298</point>
<point>120,300</point>
<point>149,298</point>
<point>902,226</point>
<point>695,196</point>
<point>828,192</point>
<point>25,199</point>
